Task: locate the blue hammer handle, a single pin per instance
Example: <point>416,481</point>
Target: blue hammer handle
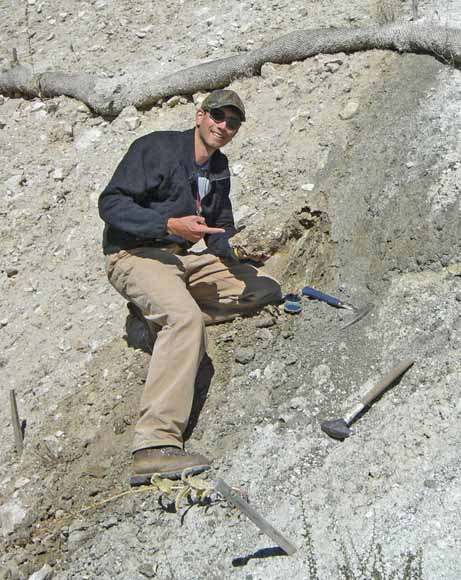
<point>331,300</point>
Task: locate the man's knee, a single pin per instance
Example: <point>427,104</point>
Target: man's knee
<point>264,290</point>
<point>270,292</point>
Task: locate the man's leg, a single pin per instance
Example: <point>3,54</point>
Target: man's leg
<point>155,281</point>
<point>224,290</point>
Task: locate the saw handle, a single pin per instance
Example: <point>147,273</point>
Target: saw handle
<point>386,381</point>
<point>317,295</point>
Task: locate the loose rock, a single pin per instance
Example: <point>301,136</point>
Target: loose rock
<point>350,110</point>
<point>45,573</point>
<point>244,355</point>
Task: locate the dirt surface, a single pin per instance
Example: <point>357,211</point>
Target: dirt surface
<point>347,171</point>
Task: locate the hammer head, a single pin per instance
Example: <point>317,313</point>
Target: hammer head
<point>359,313</point>
<point>336,428</point>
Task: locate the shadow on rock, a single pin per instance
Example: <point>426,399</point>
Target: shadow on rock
<point>258,555</point>
<point>139,333</point>
<point>202,386</point>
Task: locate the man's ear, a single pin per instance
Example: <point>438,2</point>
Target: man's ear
<point>199,114</point>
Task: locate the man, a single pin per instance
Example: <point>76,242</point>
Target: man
<point>170,191</point>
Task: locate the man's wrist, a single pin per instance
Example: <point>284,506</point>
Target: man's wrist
<point>169,225</point>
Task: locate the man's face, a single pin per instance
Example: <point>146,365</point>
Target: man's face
<point>213,133</point>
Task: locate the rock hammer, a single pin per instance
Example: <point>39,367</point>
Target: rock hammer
<point>340,428</point>
<point>359,313</point>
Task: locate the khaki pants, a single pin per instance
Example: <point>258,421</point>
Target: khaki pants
<point>181,293</point>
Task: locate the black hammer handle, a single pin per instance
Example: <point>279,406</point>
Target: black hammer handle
<point>386,381</point>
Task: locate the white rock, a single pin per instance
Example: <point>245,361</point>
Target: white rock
<point>332,66</point>
<point>242,213</point>
<point>128,119</point>
<point>255,375</point>
<point>198,98</point>
<point>275,370</point>
<point>21,482</point>
<point>45,573</point>
<point>37,106</point>
<point>132,123</point>
<point>58,174</point>
<point>68,129</point>
<point>82,108</point>
<point>349,110</point>
<point>11,515</point>
<point>237,169</point>
<point>87,139</point>
<point>308,187</point>
<point>173,101</point>
<point>268,70</point>
<point>14,183</point>
<point>298,403</point>
<point>322,374</point>
<point>53,446</point>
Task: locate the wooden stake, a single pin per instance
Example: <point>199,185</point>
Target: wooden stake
<point>227,492</point>
<point>14,57</point>
<point>18,437</point>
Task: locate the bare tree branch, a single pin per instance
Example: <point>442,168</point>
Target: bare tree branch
<point>109,96</point>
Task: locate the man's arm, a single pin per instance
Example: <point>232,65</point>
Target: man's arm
<point>121,202</point>
<point>219,244</point>
<point>122,206</point>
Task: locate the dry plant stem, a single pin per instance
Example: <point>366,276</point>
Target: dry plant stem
<point>29,44</point>
<point>162,486</point>
<point>109,96</point>
<point>18,438</point>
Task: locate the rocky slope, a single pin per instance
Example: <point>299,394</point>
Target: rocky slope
<point>348,171</point>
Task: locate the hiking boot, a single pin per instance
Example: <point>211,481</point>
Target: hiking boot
<point>169,462</point>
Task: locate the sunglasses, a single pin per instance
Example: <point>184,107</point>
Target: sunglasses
<point>218,115</point>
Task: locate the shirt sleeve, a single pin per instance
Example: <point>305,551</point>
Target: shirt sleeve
<point>219,244</point>
<point>124,202</point>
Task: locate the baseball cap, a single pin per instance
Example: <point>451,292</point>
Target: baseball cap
<point>224,98</point>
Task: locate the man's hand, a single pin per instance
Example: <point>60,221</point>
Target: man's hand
<point>237,254</point>
<point>243,254</point>
<point>191,227</point>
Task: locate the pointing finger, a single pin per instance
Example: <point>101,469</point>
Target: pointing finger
<point>207,230</point>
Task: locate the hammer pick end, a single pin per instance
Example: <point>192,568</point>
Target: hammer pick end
<point>359,314</point>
